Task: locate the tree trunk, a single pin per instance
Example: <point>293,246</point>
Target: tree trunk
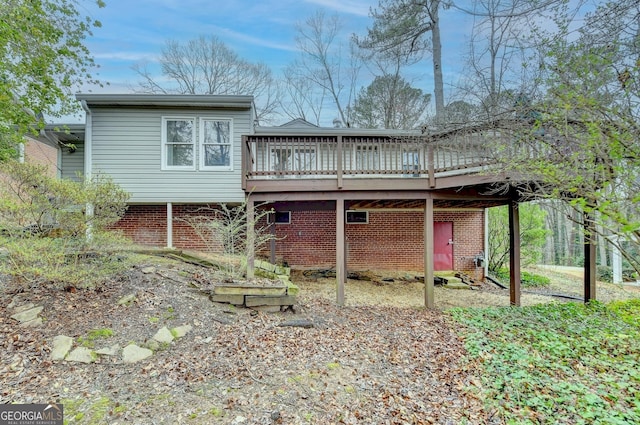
<point>437,61</point>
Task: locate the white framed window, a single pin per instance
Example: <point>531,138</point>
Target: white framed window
<point>279,217</point>
<point>178,143</point>
<point>216,144</point>
<point>357,217</point>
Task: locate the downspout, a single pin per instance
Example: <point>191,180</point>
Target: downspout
<point>88,170</point>
<point>487,253</point>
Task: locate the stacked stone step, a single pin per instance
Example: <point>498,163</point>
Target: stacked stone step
<point>269,298</point>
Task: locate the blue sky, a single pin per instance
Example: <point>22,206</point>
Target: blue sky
<point>134,31</point>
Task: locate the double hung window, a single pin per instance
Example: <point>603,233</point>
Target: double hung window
<point>215,144</point>
<point>210,147</point>
<point>179,141</point>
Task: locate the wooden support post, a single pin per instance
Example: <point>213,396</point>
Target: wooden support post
<point>340,251</point>
<point>272,242</point>
<point>431,166</point>
<point>589,259</point>
<point>339,164</point>
<point>169,225</point>
<point>251,237</point>
<point>428,254</point>
<point>514,256</point>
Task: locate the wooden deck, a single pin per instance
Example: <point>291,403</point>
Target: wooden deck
<point>452,169</point>
<point>328,162</point>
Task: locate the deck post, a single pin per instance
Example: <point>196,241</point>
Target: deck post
<point>340,251</point>
<point>431,166</point>
<point>169,225</point>
<point>589,259</point>
<point>428,254</point>
<point>514,253</point>
<point>272,242</point>
<point>251,237</point>
<point>339,165</point>
<point>246,156</point>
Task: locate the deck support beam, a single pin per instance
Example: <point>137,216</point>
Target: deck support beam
<point>428,254</point>
<point>514,249</point>
<point>340,251</point>
<point>589,258</point>
<point>169,225</point>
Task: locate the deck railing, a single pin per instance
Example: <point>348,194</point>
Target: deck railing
<point>352,156</point>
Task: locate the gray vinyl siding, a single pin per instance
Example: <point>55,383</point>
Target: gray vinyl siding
<point>72,163</point>
<point>127,146</point>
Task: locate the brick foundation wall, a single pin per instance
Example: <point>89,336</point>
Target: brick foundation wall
<point>392,240</point>
<point>145,225</point>
<point>185,236</point>
<point>309,241</point>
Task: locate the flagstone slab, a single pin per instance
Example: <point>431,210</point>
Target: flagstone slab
<point>181,331</point>
<point>163,335</point>
<point>81,355</point>
<point>27,315</point>
<point>61,346</point>
<point>132,353</point>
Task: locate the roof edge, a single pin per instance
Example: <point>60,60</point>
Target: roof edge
<point>167,100</point>
<point>324,131</point>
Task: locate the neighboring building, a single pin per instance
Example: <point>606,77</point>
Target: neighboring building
<point>373,199</point>
<point>41,151</point>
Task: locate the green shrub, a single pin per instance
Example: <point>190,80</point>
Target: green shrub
<point>66,262</point>
<point>34,203</point>
<point>604,274</point>
<point>44,226</point>
<point>527,280</point>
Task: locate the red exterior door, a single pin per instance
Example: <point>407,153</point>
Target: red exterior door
<point>443,245</point>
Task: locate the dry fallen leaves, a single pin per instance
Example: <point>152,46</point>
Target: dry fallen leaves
<point>357,364</point>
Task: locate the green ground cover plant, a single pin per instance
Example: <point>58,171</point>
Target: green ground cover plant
<point>556,363</point>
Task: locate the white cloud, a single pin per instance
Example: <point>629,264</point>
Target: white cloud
<point>353,7</point>
<point>127,56</point>
<point>256,41</point>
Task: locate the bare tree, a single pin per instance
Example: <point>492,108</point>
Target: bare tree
<point>498,71</point>
<point>322,64</point>
<point>495,54</point>
<point>305,99</point>
<point>207,66</point>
